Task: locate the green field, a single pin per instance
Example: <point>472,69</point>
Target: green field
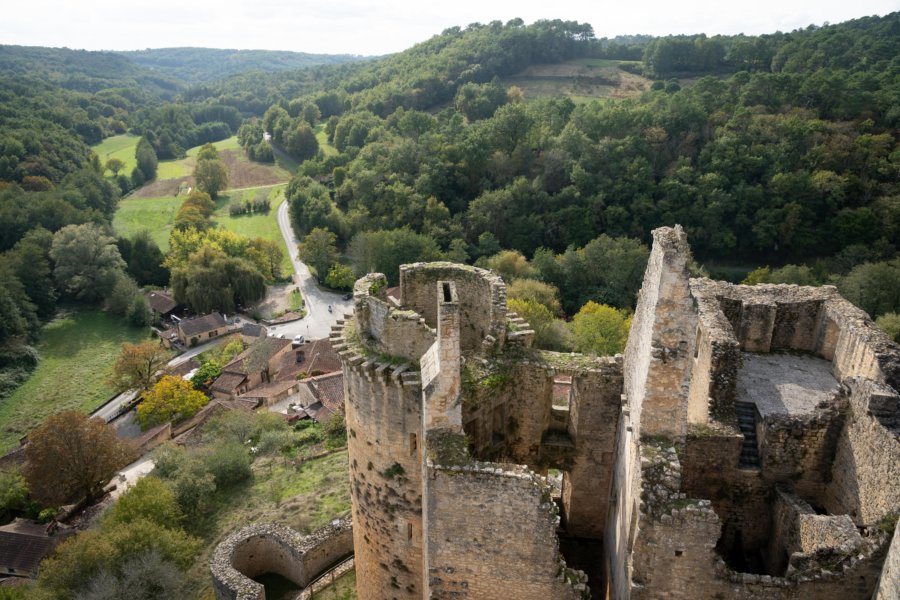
<point>118,146</point>
<point>158,214</point>
<point>326,148</point>
<point>76,352</point>
<point>182,167</point>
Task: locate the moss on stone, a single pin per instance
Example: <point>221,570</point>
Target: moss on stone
<point>447,448</point>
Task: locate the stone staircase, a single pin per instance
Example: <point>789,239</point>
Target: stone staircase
<point>746,416</point>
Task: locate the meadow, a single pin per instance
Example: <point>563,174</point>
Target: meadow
<point>76,351</point>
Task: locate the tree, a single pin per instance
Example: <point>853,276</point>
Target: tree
<point>119,299</point>
<point>208,372</point>
<point>538,291</point>
<point>137,366</point>
<point>115,165</point>
<point>146,576</point>
<point>210,280</point>
<point>384,251</point>
<point>340,277</point>
<point>13,492</point>
<point>208,152</point>
<point>301,142</point>
<point>72,456</point>
<point>600,329</point>
<point>318,250</point>
<point>211,177</point>
<point>88,263</point>
<point>171,399</point>
<point>147,161</point>
<point>874,287</point>
<point>890,324</point>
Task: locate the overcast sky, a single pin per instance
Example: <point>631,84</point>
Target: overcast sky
<point>370,28</point>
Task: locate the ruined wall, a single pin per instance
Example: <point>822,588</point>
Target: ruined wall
<point>655,384</point>
<point>593,417</point>
<point>801,449</point>
<point>385,328</point>
<point>865,475</point>
<point>675,555</point>
<point>889,583</point>
<point>271,548</point>
<point>383,417</point>
<point>482,298</point>
<point>492,534</point>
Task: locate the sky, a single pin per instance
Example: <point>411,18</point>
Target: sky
<point>374,28</point>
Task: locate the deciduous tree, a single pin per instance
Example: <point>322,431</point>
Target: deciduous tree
<point>171,399</point>
<point>600,329</point>
<point>318,250</point>
<point>72,456</point>
<point>211,176</point>
<point>88,263</point>
<point>137,365</point>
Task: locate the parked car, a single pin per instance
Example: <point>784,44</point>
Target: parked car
<point>348,296</point>
<point>298,339</point>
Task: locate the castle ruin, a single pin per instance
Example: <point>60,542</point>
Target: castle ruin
<point>747,444</point>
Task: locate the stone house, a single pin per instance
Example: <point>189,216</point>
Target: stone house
<point>201,329</point>
<point>255,366</point>
<point>322,397</point>
<point>24,544</point>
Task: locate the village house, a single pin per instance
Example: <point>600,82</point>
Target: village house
<point>322,397</point>
<point>200,329</point>
<point>24,544</point>
<point>253,367</point>
<point>161,303</point>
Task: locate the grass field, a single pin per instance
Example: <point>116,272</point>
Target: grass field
<point>582,80</point>
<point>322,138</point>
<point>76,352</point>
<point>118,146</point>
<point>182,167</point>
<point>158,214</point>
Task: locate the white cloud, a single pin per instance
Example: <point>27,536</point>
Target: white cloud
<point>364,27</point>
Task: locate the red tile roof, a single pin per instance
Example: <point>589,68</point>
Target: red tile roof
<point>318,355</point>
<point>328,390</point>
<point>238,363</point>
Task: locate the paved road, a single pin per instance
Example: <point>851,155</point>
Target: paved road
<point>318,321</point>
<point>111,408</point>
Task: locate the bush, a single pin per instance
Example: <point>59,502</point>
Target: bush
<point>228,463</point>
<point>151,499</point>
<point>274,441</point>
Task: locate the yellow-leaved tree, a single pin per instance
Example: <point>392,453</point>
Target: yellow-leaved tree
<point>171,399</point>
<point>600,329</point>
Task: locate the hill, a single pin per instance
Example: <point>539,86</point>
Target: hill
<point>196,65</point>
<point>83,70</point>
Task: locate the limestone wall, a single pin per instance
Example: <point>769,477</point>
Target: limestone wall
<point>593,418</point>
<point>889,583</point>
<point>482,298</point>
<point>383,416</point>
<point>385,328</point>
<point>865,476</point>
<point>270,548</point>
<point>492,534</point>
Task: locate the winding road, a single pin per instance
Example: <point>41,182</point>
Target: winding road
<point>318,320</point>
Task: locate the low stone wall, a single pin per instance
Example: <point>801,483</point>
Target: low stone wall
<point>272,548</point>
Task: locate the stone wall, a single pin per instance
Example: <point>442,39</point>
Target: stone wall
<point>270,548</point>
<point>482,297</point>
<point>492,534</point>
<point>593,417</point>
<point>865,475</point>
<point>383,416</point>
<point>889,582</point>
<point>387,329</point>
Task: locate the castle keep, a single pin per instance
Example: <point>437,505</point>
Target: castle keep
<point>747,444</point>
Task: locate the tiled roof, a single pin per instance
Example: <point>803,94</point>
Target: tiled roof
<point>328,390</point>
<point>237,364</point>
<point>270,389</point>
<point>23,545</point>
<point>253,330</point>
<point>228,382</point>
<point>327,362</point>
<point>202,324</point>
<point>161,302</point>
